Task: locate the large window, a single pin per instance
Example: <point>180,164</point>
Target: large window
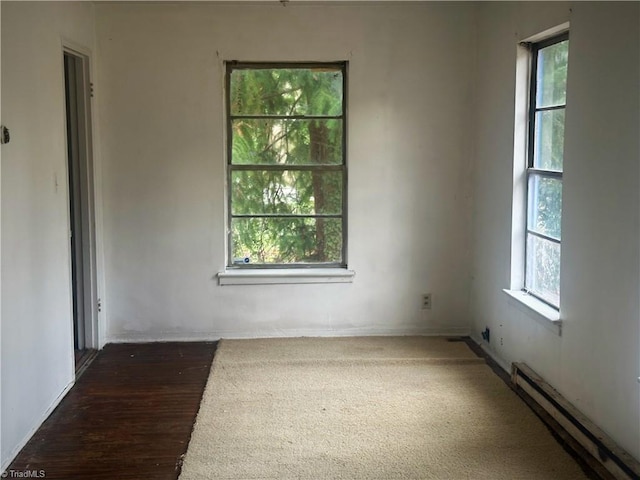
<point>544,168</point>
<point>286,164</point>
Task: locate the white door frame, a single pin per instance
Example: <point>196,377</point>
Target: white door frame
<point>84,184</point>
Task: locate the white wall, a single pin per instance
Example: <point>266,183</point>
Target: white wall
<point>418,156</point>
<point>161,116</point>
<point>1,243</point>
<point>37,332</point>
<point>596,361</point>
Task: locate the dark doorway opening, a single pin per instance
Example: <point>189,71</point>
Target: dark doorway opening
<point>81,211</point>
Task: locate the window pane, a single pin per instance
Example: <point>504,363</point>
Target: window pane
<point>287,240</point>
<point>551,75</point>
<point>288,91</point>
<point>293,142</point>
<point>549,142</point>
<point>286,192</point>
<point>545,205</point>
<point>543,269</point>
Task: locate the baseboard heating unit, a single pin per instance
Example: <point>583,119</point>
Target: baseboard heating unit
<point>620,464</point>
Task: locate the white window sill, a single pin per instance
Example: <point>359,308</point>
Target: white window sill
<point>541,312</point>
<point>285,276</point>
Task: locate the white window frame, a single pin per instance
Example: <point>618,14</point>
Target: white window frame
<point>529,304</point>
<point>231,167</point>
<point>532,170</point>
<point>236,273</point>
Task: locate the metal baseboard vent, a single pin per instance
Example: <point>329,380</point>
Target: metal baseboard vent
<point>614,459</point>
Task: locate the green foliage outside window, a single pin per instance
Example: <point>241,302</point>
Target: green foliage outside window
<point>286,164</point>
<point>545,183</point>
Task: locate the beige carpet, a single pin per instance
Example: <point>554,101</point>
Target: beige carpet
<point>365,408</point>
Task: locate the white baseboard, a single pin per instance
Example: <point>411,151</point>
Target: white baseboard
<point>144,337</point>
<point>16,450</point>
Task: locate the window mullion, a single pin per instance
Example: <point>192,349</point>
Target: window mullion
<point>287,215</point>
<point>544,173</point>
<point>543,236</point>
<point>280,167</point>
<point>286,117</point>
<point>551,108</point>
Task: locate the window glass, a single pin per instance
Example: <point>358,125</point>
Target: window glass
<point>286,240</point>
<point>287,167</point>
<point>545,168</point>
<point>543,269</point>
<point>549,140</point>
<point>266,141</point>
<point>298,192</point>
<point>552,75</point>
<point>545,205</point>
<point>287,91</point>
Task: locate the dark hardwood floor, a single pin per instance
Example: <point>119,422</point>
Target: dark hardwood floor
<point>129,415</point>
<point>83,359</point>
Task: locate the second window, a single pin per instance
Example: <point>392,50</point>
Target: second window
<point>545,167</point>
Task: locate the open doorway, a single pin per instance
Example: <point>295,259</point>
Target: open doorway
<point>81,207</point>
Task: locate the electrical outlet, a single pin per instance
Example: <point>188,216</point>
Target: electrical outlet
<point>426,301</point>
<point>486,335</point>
